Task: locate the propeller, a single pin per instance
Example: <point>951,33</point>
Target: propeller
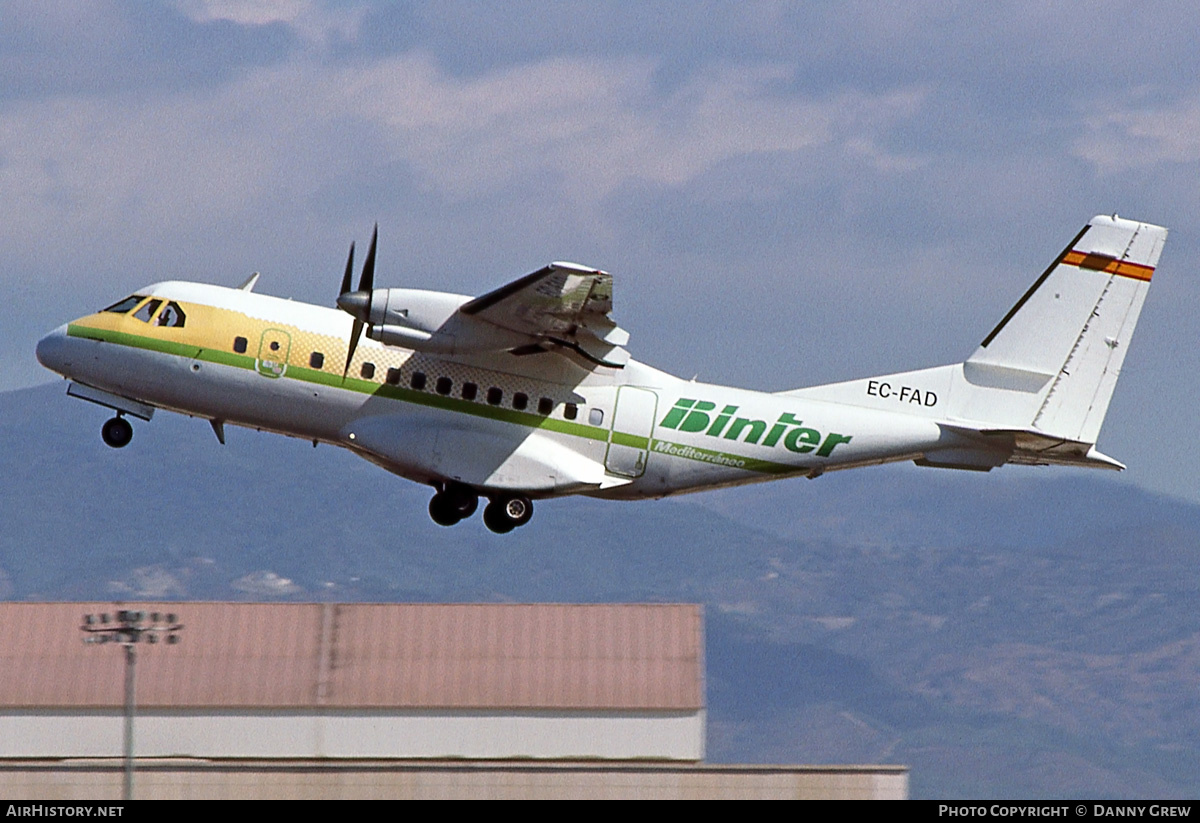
<point>349,268</point>
<point>358,303</point>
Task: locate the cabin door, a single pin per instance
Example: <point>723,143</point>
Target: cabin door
<point>631,432</point>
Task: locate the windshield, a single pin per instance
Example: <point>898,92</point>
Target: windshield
<point>126,305</point>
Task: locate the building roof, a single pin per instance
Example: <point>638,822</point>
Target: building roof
<point>335,655</point>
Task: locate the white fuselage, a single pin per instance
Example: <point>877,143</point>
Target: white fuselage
<point>542,424</point>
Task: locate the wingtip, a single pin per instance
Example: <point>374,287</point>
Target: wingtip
<point>575,267</point>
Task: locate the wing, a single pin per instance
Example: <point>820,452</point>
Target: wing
<point>563,304</point>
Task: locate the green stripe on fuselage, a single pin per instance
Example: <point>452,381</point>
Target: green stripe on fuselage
<point>134,341</point>
<point>437,401</point>
<point>635,441</point>
<point>385,390</point>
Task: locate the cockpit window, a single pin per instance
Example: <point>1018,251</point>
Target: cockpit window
<point>172,315</point>
<point>147,312</point>
<point>126,305</point>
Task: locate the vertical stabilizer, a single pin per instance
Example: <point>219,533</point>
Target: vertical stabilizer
<point>1037,388</point>
<point>1065,339</point>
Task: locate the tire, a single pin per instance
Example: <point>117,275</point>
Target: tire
<point>504,514</point>
<point>495,518</point>
<point>463,500</point>
<point>443,511</point>
<point>117,432</point>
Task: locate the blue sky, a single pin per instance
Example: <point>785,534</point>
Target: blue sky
<point>785,193</point>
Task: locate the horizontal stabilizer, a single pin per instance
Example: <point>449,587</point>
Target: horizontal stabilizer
<point>1034,448</point>
<point>985,448</point>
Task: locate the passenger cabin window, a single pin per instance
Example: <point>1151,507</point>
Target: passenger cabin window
<point>418,380</point>
<point>316,360</point>
<point>239,345</point>
<point>520,401</point>
<point>596,416</point>
<point>570,411</point>
<point>126,305</point>
<point>444,384</point>
<point>171,316</point>
<point>393,376</point>
<point>367,371</point>
<point>495,395</point>
<point>469,390</point>
<point>545,405</point>
<point>146,313</point>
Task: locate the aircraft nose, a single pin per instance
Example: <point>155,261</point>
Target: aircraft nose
<point>52,350</point>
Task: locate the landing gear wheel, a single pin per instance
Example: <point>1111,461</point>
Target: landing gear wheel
<point>453,503</point>
<point>117,432</point>
<point>519,510</point>
<point>504,514</point>
<point>494,519</point>
<point>463,499</point>
<point>443,511</point>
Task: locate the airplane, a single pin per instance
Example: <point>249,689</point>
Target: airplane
<point>528,393</point>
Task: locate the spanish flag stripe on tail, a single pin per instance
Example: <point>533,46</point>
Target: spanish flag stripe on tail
<point>1108,265</point>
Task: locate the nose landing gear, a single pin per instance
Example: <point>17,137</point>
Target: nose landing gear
<point>117,432</point>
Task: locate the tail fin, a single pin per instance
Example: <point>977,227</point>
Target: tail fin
<point>1059,350</point>
<point>1037,388</point>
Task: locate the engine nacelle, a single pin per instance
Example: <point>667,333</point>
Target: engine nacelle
<point>429,321</point>
<point>416,309</point>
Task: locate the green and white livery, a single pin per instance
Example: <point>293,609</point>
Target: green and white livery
<point>528,392</point>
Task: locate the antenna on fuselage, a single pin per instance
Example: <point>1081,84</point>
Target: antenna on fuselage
<point>249,284</point>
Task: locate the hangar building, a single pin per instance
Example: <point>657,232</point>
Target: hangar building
<point>362,680</point>
<point>295,699</point>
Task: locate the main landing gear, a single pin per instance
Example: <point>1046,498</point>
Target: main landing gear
<point>504,513</point>
<point>117,432</point>
<point>452,504</point>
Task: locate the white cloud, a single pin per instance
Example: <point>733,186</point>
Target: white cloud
<point>581,128</point>
<point>1118,137</point>
<point>265,584</point>
<point>154,582</point>
<point>312,20</point>
<point>597,124</point>
<point>98,165</point>
<point>245,12</point>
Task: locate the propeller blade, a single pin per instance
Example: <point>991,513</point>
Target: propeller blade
<point>367,281</point>
<point>354,337</point>
<point>353,300</point>
<point>346,276</point>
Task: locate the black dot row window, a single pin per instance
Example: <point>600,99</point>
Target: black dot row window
<point>443,385</point>
<point>494,395</point>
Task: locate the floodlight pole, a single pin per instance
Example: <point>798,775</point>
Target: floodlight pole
<point>130,701</point>
<point>129,628</point>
